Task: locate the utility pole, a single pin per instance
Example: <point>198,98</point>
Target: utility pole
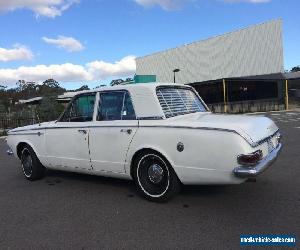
<point>224,96</point>
<point>286,95</point>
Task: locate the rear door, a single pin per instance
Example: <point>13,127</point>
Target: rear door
<point>113,131</point>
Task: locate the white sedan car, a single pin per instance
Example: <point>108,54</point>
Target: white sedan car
<point>160,135</point>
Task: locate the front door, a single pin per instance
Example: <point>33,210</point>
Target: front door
<point>67,141</point>
<point>113,131</point>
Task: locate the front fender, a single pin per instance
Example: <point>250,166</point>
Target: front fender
<point>34,141</point>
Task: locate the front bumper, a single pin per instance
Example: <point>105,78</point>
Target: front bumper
<point>253,171</point>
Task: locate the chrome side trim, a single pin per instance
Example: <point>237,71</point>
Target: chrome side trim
<point>150,118</point>
<point>253,144</point>
<point>75,127</point>
<point>253,171</point>
<point>16,133</point>
<point>188,127</point>
<point>204,128</point>
<point>135,126</point>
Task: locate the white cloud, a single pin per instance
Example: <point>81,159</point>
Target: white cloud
<point>70,44</point>
<point>102,70</point>
<point>48,8</point>
<point>164,4</point>
<point>18,52</point>
<point>68,72</point>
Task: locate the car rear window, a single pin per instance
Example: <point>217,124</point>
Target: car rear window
<point>179,101</point>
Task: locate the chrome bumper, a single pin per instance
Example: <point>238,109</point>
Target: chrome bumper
<point>253,171</point>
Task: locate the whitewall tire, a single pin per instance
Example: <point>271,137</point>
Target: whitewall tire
<point>155,177</point>
<point>31,166</point>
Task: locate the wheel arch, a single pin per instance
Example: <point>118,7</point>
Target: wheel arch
<point>149,149</point>
<point>20,147</point>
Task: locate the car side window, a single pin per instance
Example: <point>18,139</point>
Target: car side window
<point>115,105</point>
<point>128,110</point>
<point>80,110</point>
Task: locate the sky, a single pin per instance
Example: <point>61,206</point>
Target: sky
<point>91,42</point>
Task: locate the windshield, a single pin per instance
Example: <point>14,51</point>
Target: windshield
<point>179,101</point>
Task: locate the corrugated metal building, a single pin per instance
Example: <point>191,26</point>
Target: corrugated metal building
<point>234,67</point>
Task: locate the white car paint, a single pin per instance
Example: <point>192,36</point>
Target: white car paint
<point>211,142</point>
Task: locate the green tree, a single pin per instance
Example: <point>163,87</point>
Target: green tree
<point>295,69</point>
<point>51,83</point>
<point>116,82</point>
<point>2,109</point>
<point>100,86</point>
<point>49,109</point>
<point>26,90</point>
<point>121,81</point>
<point>83,87</point>
<point>4,101</point>
<point>50,87</point>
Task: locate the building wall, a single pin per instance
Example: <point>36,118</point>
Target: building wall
<point>256,50</point>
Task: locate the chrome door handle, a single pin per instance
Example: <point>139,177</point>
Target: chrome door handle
<point>128,131</point>
<point>83,131</point>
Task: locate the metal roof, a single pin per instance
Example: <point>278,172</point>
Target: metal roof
<point>293,75</point>
<point>31,100</point>
<point>256,50</point>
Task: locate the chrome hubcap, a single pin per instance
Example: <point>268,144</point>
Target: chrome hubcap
<point>155,173</point>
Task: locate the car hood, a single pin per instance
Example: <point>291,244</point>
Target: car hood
<point>31,127</point>
<point>252,128</point>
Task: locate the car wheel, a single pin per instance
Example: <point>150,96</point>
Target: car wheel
<point>155,178</point>
<point>31,166</point>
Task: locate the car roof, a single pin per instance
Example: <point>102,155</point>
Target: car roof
<point>150,85</point>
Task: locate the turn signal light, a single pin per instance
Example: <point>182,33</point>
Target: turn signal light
<point>250,159</point>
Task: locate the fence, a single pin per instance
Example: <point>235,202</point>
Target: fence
<point>248,106</point>
<point>9,123</point>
